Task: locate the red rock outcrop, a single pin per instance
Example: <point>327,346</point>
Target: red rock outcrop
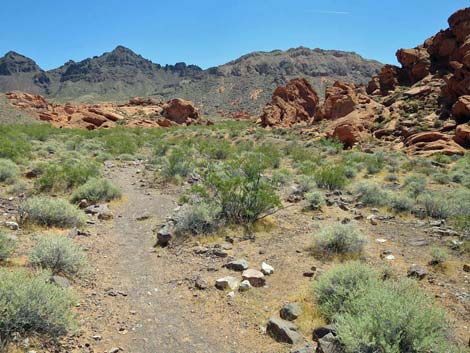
<point>139,112</point>
<point>462,135</point>
<point>180,111</point>
<point>432,142</point>
<point>296,102</point>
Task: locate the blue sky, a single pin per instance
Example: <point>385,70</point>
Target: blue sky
<point>212,32</point>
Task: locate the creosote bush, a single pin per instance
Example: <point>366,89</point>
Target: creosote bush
<point>178,164</point>
<point>31,305</point>
<point>339,240</point>
<point>371,194</point>
<point>7,246</point>
<point>58,254</point>
<point>9,171</point>
<point>331,176</point>
<point>51,212</point>
<point>65,175</point>
<point>96,190</point>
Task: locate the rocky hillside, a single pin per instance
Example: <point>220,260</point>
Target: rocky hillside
<point>422,107</point>
<point>242,84</point>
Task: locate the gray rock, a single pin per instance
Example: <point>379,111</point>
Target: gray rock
<point>418,272</point>
<point>291,311</point>
<point>165,234</point>
<point>329,344</point>
<point>200,283</point>
<point>267,269</point>
<point>60,281</point>
<point>255,277</point>
<point>244,286</point>
<point>322,331</point>
<point>227,282</point>
<point>12,225</point>
<point>283,331</point>
<point>115,350</point>
<point>237,265</point>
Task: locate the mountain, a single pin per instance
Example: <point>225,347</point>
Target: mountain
<point>243,84</point>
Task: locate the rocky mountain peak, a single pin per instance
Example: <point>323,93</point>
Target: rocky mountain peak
<point>14,63</point>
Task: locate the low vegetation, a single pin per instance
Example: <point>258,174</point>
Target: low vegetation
<point>96,190</point>
<point>339,240</point>
<point>7,246</point>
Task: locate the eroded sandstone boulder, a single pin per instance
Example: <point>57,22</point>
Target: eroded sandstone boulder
<point>180,111</point>
<point>294,103</point>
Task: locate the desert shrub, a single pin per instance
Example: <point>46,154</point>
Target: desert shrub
<point>7,246</point>
<point>9,171</point>
<point>400,203</point>
<point>240,190</point>
<point>339,239</point>
<point>197,219</point>
<point>315,200</point>
<point>306,183</point>
<point>177,164</point>
<point>216,149</point>
<point>415,185</point>
<point>391,177</point>
<point>31,305</point>
<point>118,142</point>
<point>95,190</point>
<point>393,317</point>
<point>337,288</point>
<point>14,145</point>
<point>271,154</point>
<point>438,255</point>
<point>350,171</point>
<point>441,178</point>
<point>371,194</point>
<point>281,177</point>
<point>67,174</point>
<point>457,177</point>
<point>51,212</point>
<point>331,176</point>
<point>58,254</point>
<point>436,205</point>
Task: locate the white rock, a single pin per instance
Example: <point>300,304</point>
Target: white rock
<point>390,257</point>
<point>12,225</point>
<point>267,269</point>
<point>255,277</point>
<point>381,240</point>
<point>227,282</point>
<point>244,286</point>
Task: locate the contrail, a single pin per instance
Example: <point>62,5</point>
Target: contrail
<point>330,12</point>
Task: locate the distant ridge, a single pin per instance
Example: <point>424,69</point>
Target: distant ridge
<point>245,83</point>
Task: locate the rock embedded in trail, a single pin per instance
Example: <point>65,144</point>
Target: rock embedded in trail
<point>283,331</point>
<point>416,271</point>
<point>165,234</point>
<point>255,277</point>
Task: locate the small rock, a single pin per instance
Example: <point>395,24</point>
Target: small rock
<point>255,277</point>
<point>114,350</point>
<point>466,267</point>
<point>83,204</point>
<point>283,331</point>
<point>307,348</point>
<point>381,240</point>
<point>417,272</point>
<point>244,286</point>
<point>322,331</point>
<point>143,217</point>
<point>201,283</point>
<point>231,295</point>
<point>219,252</point>
<point>60,281</point>
<point>12,225</point>
<point>309,273</point>
<point>267,269</point>
<point>165,234</point>
<point>237,265</point>
<point>329,344</point>
<point>226,282</point>
<point>372,220</point>
<point>291,311</point>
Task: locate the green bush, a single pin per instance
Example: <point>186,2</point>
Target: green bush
<point>119,142</point>
<point>306,183</point>
<point>32,305</point>
<point>435,205</point>
<point>240,190</point>
<point>178,164</point>
<point>336,289</point>
<point>400,203</point>
<point>281,177</point>
<point>9,171</point>
<point>58,254</point>
<point>441,178</point>
<point>415,185</point>
<point>51,212</point>
<point>339,239</point>
<point>197,219</point>
<point>331,176</point>
<point>438,255</point>
<point>393,317</point>
<point>96,190</point>
<point>371,194</point>
<point>7,246</point>
<point>67,174</point>
<point>14,145</point>
<point>315,200</point>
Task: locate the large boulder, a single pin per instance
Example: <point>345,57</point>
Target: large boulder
<point>461,109</point>
<point>462,135</point>
<point>296,102</point>
<point>433,142</point>
<point>459,23</point>
<point>180,111</point>
<point>340,100</point>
